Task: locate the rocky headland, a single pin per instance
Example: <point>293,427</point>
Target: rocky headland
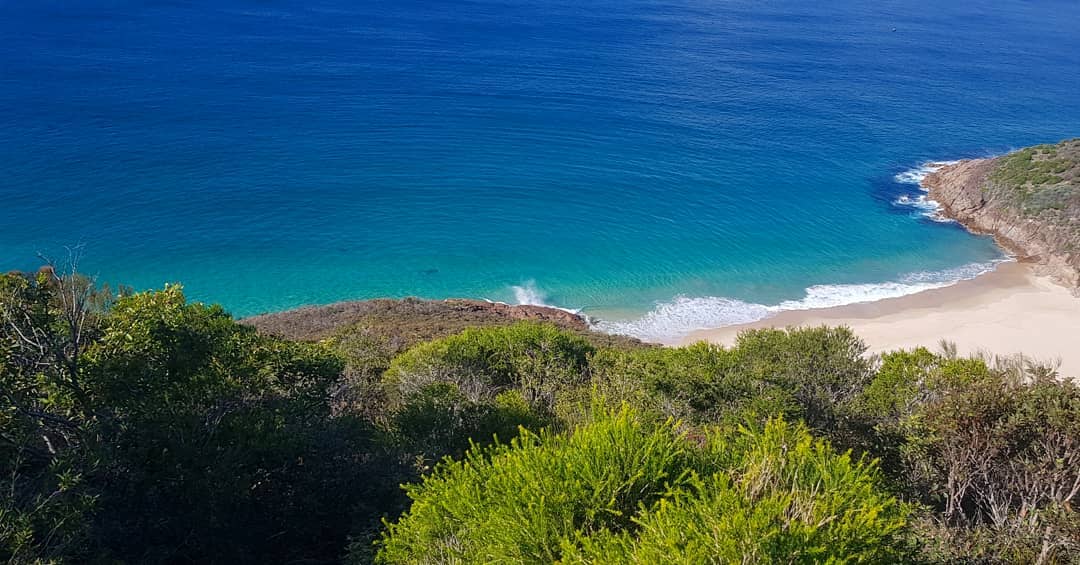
<point>316,322</point>
<point>401,323</point>
<point>1028,200</point>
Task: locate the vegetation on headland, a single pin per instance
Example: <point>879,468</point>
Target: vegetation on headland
<point>1041,178</point>
<point>145,428</point>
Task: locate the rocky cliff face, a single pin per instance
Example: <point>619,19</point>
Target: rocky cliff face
<point>1028,200</point>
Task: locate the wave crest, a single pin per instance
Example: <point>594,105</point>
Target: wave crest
<point>528,294</point>
<point>918,174</point>
<point>925,207</point>
<point>684,315</point>
<point>674,319</point>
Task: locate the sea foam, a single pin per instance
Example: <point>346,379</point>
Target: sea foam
<point>924,206</point>
<point>682,315</point>
<point>528,294</point>
<point>916,175</point>
<point>671,320</point>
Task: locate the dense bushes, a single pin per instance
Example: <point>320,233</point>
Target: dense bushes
<point>480,383</point>
<point>986,448</point>
<point>809,373</point>
<point>144,428</point>
<point>538,360</point>
<point>995,452</point>
<point>162,431</point>
<point>617,491</point>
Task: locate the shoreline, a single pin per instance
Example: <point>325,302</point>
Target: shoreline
<point>1030,306</point>
<point>1006,311</point>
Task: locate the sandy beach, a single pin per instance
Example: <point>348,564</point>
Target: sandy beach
<point>1009,310</point>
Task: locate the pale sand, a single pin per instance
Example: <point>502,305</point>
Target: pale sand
<point>1007,311</point>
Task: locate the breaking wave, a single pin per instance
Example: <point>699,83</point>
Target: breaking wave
<point>918,174</point>
<point>531,295</point>
<point>924,206</point>
<point>682,315</point>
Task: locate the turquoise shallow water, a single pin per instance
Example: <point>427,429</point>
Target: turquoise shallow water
<point>660,165</point>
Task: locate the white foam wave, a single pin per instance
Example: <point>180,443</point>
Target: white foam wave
<point>832,295</point>
<point>915,176</point>
<point>528,293</point>
<point>926,207</point>
<point>531,295</point>
<point>683,315</point>
<point>956,274</point>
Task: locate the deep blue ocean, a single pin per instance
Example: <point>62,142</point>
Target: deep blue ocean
<point>660,165</point>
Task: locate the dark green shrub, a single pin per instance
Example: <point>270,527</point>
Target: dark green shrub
<point>164,431</point>
<point>445,392</point>
<point>993,451</point>
<point>439,420</point>
<point>536,359</point>
<point>699,384</point>
<point>822,368</point>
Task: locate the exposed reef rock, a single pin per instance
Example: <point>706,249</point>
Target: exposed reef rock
<point>1029,200</point>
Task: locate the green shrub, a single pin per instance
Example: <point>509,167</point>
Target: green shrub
<point>823,368</point>
<point>994,451</point>
<point>775,494</point>
<point>165,431</point>
<point>536,359</point>
<point>439,420</point>
<point>1004,457</point>
<point>481,383</point>
<point>699,384</point>
<point>619,490</point>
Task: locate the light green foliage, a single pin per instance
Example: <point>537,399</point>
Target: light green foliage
<point>618,490</point>
<point>773,494</point>
<point>517,502</point>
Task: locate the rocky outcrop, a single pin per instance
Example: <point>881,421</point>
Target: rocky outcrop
<point>1028,211</point>
<point>414,317</point>
<point>524,312</point>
